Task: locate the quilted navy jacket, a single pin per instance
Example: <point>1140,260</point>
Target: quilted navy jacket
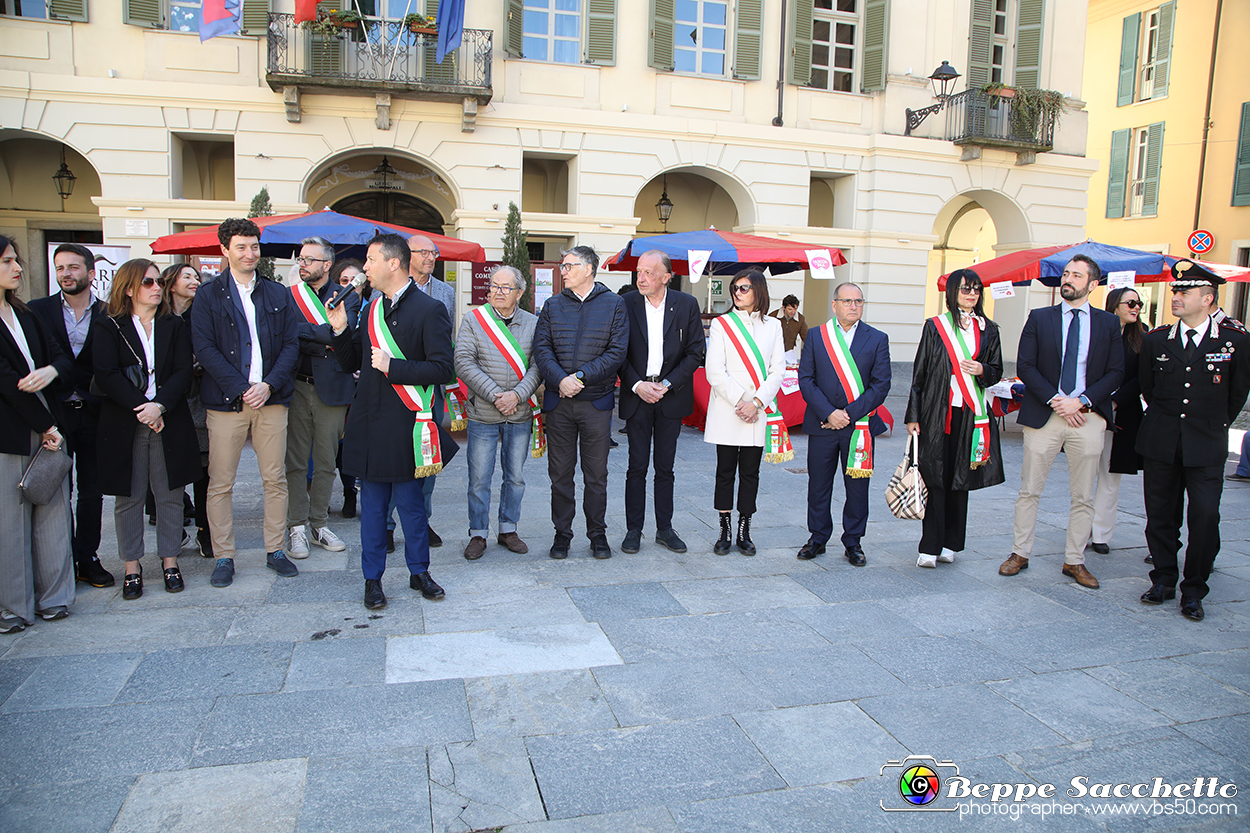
<point>591,336</point>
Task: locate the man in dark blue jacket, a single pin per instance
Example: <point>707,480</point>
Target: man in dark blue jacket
<point>579,345</point>
<point>245,330</point>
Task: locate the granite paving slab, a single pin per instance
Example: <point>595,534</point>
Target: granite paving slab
<point>642,600</point>
<point>503,608</point>
<point>1064,645</point>
<point>483,783</point>
<point>1230,667</point>
<point>1230,736</point>
<point>1076,705</point>
<point>489,653</point>
<point>855,621</point>
<point>815,675</point>
<point>940,661</point>
<point>975,610</point>
<point>14,672</point>
<point>1172,688</point>
<point>745,593</point>
<point>315,621</point>
<point>649,692</point>
<point>806,810</point>
<point>642,820</point>
<point>588,773</point>
<point>337,663</point>
<point>541,703</point>
<point>840,582</point>
<point>386,790</point>
<point>208,672</point>
<point>237,798</point>
<point>73,682</point>
<point>80,807</point>
<point>122,631</point>
<point>710,634</point>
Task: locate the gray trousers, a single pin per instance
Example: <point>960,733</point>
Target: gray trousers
<point>312,427</point>
<point>147,470</point>
<point>36,558</point>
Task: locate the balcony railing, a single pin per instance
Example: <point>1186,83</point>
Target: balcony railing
<point>977,118</point>
<point>379,55</point>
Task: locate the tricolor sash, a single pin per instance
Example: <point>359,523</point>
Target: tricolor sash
<point>777,446</point>
<point>859,458</point>
<point>427,451</point>
<point>309,304</point>
<point>505,342</point>
<point>456,408</point>
<point>970,389</point>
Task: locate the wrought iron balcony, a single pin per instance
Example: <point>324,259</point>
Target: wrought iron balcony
<point>990,120</point>
<point>378,56</point>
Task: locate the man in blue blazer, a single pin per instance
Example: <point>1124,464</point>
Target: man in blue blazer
<point>832,414</point>
<point>1070,361</point>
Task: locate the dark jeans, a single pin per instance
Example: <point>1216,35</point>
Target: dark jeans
<point>80,438</point>
<point>745,460</point>
<point>575,425</point>
<point>1164,487</point>
<point>647,424</point>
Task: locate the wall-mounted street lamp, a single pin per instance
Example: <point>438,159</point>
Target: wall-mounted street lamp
<point>385,174</point>
<point>664,208</point>
<point>943,81</point>
<point>64,179</point>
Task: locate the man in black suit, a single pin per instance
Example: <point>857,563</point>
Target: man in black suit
<point>1070,361</point>
<point>69,316</point>
<point>657,392</point>
<point>1195,376</point>
<point>403,351</point>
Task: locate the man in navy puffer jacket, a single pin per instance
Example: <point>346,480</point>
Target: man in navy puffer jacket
<point>579,345</point>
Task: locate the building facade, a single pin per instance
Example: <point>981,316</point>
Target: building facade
<point>583,112</point>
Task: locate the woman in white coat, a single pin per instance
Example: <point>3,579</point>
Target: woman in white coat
<point>745,363</point>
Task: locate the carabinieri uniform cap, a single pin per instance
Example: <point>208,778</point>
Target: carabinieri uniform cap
<point>1187,274</point>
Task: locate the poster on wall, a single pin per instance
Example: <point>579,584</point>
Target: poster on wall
<point>107,259</point>
<point>481,281</point>
<point>544,280</point>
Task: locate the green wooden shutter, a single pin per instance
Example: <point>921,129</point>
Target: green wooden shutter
<point>875,19</point>
<point>142,13</point>
<point>748,39</point>
<point>1130,37</point>
<point>1154,160</point>
<point>1241,170</point>
<point>444,73</point>
<point>255,17</point>
<point>663,23</point>
<point>1163,55</point>
<point>1028,72</point>
<point>513,17</point>
<point>68,10</point>
<point>1117,173</point>
<point>980,43</point>
<point>601,32</point>
<point>326,51</point>
<point>801,43</point>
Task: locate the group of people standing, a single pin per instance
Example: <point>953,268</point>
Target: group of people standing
<point>169,378</point>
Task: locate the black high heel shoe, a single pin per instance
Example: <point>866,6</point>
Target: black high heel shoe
<point>132,587</point>
<point>173,580</point>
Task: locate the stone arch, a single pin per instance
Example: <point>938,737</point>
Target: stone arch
<point>350,172</point>
<point>701,197</point>
<point>27,163</point>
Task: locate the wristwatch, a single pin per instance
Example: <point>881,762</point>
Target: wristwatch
<point>580,376</point>
<point>666,383</point>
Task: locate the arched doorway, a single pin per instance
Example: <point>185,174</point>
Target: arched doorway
<point>389,207</point>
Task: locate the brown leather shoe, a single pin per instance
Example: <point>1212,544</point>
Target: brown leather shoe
<point>477,546</point>
<point>513,543</point>
<point>1013,565</point>
<point>1082,575</point>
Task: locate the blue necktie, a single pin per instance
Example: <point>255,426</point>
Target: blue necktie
<point>1067,376</point>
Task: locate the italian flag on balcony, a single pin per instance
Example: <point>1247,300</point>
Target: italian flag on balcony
<point>305,10</point>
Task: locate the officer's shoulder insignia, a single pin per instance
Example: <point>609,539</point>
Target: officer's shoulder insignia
<point>1233,324</point>
<point>1161,328</point>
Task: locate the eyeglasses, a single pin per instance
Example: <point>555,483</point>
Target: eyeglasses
<point>652,273</point>
<point>851,302</point>
<point>494,287</point>
<point>969,290</point>
<point>425,252</point>
<point>564,267</point>
<point>1133,304</point>
<point>148,280</point>
<point>742,288</point>
<point>309,261</point>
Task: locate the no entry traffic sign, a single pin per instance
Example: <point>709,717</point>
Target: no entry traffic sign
<point>1201,241</point>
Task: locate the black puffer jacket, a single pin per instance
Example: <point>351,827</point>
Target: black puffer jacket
<point>591,336</point>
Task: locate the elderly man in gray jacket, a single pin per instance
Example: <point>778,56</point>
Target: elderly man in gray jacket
<point>493,360</point>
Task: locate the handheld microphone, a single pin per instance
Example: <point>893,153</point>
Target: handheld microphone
<point>359,280</point>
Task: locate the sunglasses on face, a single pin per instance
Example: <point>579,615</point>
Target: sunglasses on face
<point>1133,304</point>
<point>969,290</point>
<point>147,280</point>
<point>742,288</point>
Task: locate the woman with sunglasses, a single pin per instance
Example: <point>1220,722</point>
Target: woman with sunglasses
<point>36,563</point>
<point>143,365</point>
<point>741,393</point>
<point>1119,457</point>
<point>959,356</point>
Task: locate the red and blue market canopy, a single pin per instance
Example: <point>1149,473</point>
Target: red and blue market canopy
<point>1046,264</point>
<point>281,236</point>
<point>730,252</point>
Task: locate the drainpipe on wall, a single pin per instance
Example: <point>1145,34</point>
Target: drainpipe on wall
<point>781,68</point>
<point>1206,118</point>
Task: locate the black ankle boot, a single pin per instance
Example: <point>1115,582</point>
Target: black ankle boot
<point>744,535</point>
<point>723,545</point>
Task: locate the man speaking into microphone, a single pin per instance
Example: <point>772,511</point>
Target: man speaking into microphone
<point>402,350</point>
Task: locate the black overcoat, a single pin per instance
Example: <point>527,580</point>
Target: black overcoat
<point>20,412</point>
<point>1128,414</point>
<point>116,433</point>
<point>929,400</point>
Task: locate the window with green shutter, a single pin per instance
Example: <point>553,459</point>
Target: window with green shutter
<point>660,44</point>
<point>1117,173</point>
<point>1153,163</point>
<point>1163,56</point>
<point>325,55</point>
<point>748,33</point>
<point>876,19</point>
<point>68,10</point>
<point>801,43</point>
<point>145,13</point>
<point>980,43</point>
<point>431,70</point>
<point>1144,155</point>
<point>1130,32</point>
<point>601,32</point>
<point>513,28</point>
<point>1029,45</point>
<point>255,17</point>
<point>1241,170</point>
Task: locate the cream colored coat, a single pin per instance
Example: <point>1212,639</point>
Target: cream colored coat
<point>730,381</point>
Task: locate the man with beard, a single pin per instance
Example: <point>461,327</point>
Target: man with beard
<point>323,390</point>
<point>69,316</point>
<point>1070,361</point>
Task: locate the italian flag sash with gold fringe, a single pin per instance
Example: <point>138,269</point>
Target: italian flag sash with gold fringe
<point>777,446</point>
<point>309,304</point>
<point>505,342</point>
<point>859,458</point>
<point>420,400</point>
<point>969,387</point>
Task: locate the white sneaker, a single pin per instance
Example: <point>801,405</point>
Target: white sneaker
<point>947,556</point>
<point>327,540</point>
<point>299,543</point>
<point>926,560</point>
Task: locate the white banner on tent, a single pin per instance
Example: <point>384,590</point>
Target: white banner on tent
<point>697,259</point>
<point>1115,280</point>
<point>820,262</point>
<point>1002,290</point>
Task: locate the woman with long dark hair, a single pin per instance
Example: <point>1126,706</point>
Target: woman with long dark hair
<point>143,365</point>
<point>745,363</point>
<point>1119,457</point>
<point>959,356</point>
<point>36,561</point>
<point>341,274</point>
